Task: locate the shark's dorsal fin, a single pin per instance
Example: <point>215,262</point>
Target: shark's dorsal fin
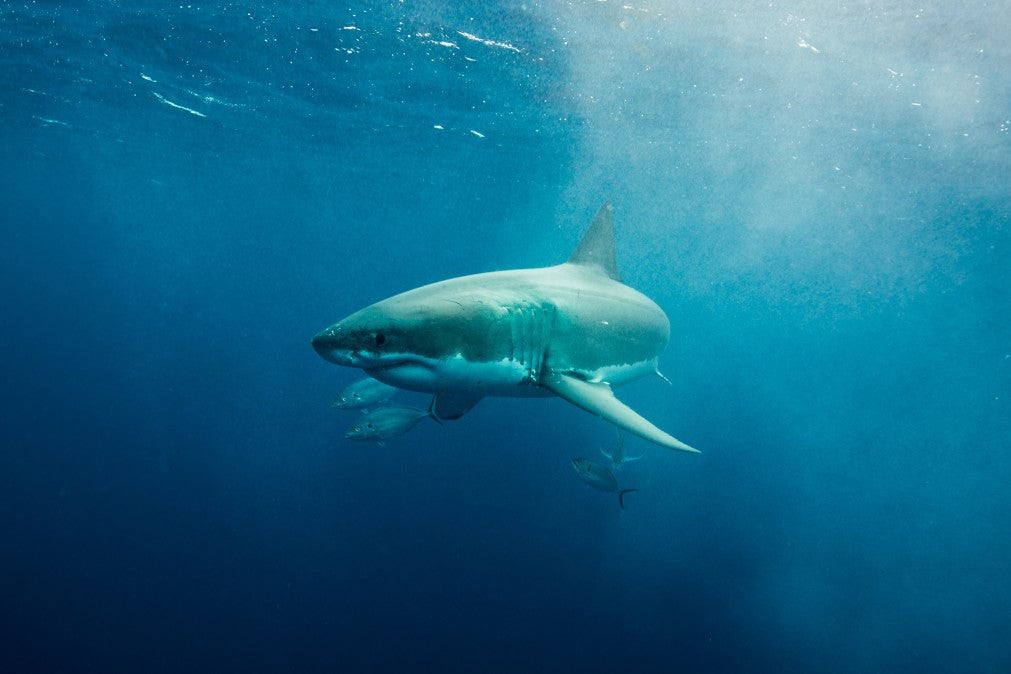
<point>597,247</point>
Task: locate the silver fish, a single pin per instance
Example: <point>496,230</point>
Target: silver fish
<point>364,393</point>
<point>618,457</point>
<point>600,478</point>
<point>385,423</point>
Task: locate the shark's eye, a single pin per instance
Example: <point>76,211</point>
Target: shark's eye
<point>380,339</point>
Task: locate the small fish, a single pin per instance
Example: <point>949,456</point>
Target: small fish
<point>363,393</point>
<point>617,457</point>
<point>385,423</point>
<point>600,478</point>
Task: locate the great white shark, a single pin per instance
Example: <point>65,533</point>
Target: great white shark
<point>573,330</point>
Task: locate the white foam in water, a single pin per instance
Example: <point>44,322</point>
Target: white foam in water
<point>50,121</point>
<point>176,105</point>
<point>213,100</point>
<point>489,43</point>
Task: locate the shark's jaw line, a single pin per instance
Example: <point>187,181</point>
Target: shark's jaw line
<point>572,330</point>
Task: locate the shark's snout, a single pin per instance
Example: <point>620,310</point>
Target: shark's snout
<point>327,344</point>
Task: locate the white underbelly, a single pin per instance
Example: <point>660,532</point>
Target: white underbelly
<point>505,378</point>
<point>616,375</point>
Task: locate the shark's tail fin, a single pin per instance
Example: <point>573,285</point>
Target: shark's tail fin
<point>621,496</point>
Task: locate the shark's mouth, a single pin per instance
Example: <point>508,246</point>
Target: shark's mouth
<point>387,363</point>
<point>390,360</point>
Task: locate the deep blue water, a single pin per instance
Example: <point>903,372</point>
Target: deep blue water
<point>818,198</point>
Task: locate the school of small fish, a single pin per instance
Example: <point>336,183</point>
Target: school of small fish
<point>389,421</point>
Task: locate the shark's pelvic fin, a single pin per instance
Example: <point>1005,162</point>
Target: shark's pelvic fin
<point>451,405</point>
<point>597,247</point>
<point>597,398</point>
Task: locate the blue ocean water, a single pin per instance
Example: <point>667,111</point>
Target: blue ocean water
<point>818,198</point>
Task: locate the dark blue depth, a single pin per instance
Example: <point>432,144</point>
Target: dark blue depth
<point>819,203</point>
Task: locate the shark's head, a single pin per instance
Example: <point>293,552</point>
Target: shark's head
<point>394,341</point>
<point>366,339</point>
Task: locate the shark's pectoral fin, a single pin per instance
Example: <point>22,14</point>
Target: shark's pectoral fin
<point>597,398</point>
<point>447,406</point>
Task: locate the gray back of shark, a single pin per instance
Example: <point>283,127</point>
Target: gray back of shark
<point>572,330</point>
